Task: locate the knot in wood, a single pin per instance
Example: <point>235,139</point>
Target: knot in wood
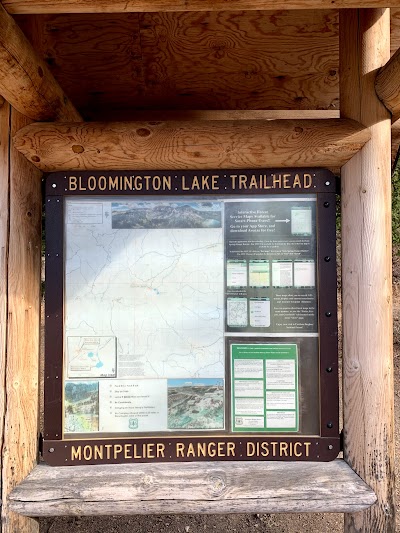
<point>217,484</point>
<point>143,132</point>
<point>298,129</point>
<point>147,480</point>
<point>77,148</point>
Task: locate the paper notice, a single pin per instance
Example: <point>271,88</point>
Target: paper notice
<point>236,273</point>
<point>259,274</point>
<point>249,422</point>
<point>247,387</point>
<point>280,400</point>
<point>304,273</point>
<point>248,368</point>
<point>260,312</point>
<point>280,374</point>
<point>84,213</point>
<point>133,405</point>
<point>282,273</point>
<point>249,406</point>
<point>301,221</point>
<point>281,419</point>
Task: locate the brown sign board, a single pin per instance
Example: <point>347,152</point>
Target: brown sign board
<point>190,316</point>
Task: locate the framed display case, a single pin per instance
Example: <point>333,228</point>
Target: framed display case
<point>190,316</point>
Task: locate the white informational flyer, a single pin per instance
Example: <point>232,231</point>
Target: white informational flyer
<point>304,273</point>
<point>280,374</point>
<point>133,405</point>
<point>249,388</point>
<point>260,312</point>
<point>236,273</point>
<point>281,419</point>
<point>281,399</point>
<point>282,273</point>
<point>249,406</point>
<point>84,213</point>
<point>249,368</point>
<point>301,221</point>
<point>249,422</point>
<point>259,274</point>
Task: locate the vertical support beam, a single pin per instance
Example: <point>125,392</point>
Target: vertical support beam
<point>20,234</point>
<point>366,270</point>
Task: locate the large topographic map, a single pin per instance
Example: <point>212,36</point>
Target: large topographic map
<point>144,289</point>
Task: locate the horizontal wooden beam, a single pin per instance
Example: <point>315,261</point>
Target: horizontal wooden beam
<point>387,85</point>
<point>25,80</point>
<point>230,487</point>
<point>234,114</point>
<point>119,6</point>
<point>197,144</point>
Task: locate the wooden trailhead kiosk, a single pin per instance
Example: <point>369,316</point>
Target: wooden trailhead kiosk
<point>237,116</point>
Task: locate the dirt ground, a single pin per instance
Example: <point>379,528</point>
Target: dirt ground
<point>241,523</point>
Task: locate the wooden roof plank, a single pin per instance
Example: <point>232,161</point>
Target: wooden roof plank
<point>126,6</point>
<point>230,60</point>
<point>191,144</point>
<point>25,80</point>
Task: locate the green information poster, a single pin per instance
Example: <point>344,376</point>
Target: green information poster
<point>265,393</point>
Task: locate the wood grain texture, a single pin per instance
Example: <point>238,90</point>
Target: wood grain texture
<point>228,60</point>
<point>120,6</point>
<point>199,144</point>
<point>366,272</point>
<point>104,52</point>
<point>387,85</point>
<point>4,244</point>
<point>20,433</point>
<point>192,488</point>
<point>233,114</point>
<point>25,80</point>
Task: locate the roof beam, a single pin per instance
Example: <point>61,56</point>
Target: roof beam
<point>387,85</point>
<point>119,6</point>
<point>25,80</point>
<point>198,144</point>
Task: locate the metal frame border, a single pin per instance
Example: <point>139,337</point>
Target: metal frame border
<point>324,447</point>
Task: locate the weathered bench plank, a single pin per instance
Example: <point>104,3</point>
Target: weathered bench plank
<point>191,488</point>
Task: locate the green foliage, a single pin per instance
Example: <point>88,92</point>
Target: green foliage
<point>338,215</point>
<point>396,208</point>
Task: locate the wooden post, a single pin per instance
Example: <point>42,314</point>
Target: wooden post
<point>20,234</point>
<point>366,271</point>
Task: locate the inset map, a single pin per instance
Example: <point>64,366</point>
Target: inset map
<point>91,357</point>
<point>81,405</point>
<point>236,310</point>
<point>153,215</point>
<point>195,404</point>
